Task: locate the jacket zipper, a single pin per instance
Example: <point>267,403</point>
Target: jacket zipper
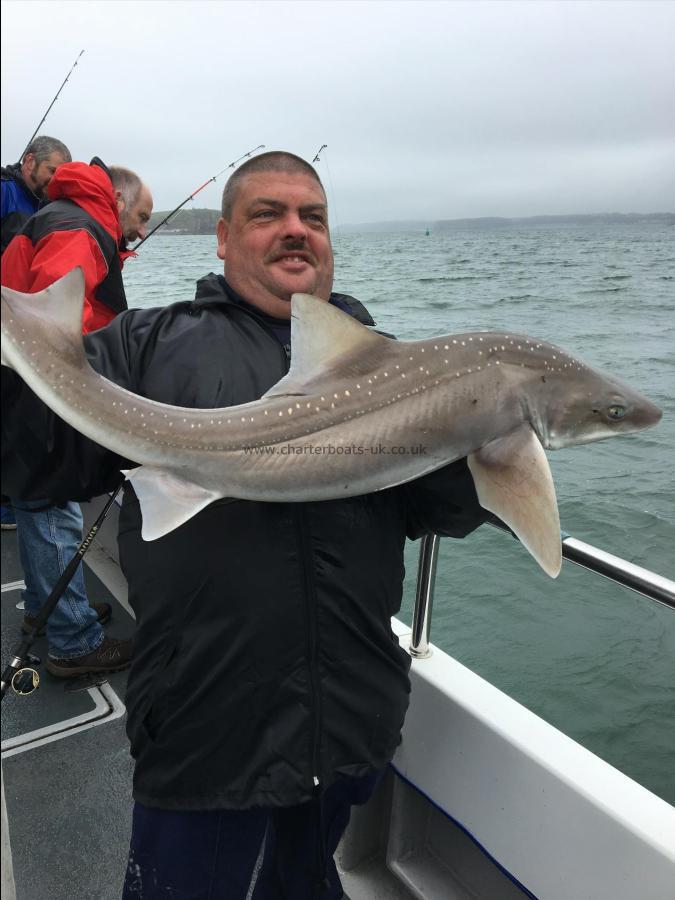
<point>312,644</point>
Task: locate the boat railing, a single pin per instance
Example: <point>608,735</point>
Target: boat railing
<point>643,581</point>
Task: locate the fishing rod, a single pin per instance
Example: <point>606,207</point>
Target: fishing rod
<point>322,147</point>
<point>332,192</point>
<point>52,103</point>
<point>25,679</point>
<point>194,194</point>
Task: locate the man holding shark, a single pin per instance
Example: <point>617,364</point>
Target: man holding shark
<point>267,692</point>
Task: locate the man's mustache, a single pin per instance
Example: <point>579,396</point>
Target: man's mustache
<point>292,246</point>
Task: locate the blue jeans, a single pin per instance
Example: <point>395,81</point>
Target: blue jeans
<point>48,538</point>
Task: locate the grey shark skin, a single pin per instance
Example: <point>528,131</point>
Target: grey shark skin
<point>357,413</point>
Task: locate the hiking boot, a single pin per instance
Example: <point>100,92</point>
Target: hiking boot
<point>7,520</point>
<point>111,656</point>
<point>103,611</point>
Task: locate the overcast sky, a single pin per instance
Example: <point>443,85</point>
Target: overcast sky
<point>429,110</point>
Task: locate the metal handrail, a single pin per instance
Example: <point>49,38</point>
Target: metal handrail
<point>643,581</point>
<point>424,596</point>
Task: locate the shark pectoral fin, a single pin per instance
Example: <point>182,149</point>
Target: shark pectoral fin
<point>513,480</point>
<point>167,501</point>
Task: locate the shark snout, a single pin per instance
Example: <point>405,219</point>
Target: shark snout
<point>648,415</point>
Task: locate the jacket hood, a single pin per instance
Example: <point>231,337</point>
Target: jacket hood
<point>13,173</point>
<point>90,187</point>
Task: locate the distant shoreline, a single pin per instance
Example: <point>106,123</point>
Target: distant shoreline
<point>203,221</point>
<point>490,222</point>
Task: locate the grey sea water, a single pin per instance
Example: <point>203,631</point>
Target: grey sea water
<point>592,658</point>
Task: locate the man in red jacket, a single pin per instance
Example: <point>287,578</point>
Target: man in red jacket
<point>93,213</point>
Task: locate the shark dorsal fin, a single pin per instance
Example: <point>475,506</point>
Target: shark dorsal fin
<point>320,335</point>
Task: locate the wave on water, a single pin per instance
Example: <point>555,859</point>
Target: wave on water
<point>442,279</point>
<point>517,298</point>
<point>605,290</point>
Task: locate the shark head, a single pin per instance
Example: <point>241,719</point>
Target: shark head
<point>594,407</point>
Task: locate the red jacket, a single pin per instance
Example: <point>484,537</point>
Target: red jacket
<point>55,241</point>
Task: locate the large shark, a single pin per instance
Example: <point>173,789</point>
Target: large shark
<point>357,412</point>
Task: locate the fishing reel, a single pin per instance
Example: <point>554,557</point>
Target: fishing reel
<point>22,678</point>
<point>25,681</point>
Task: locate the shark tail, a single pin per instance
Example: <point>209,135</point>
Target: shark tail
<point>59,307</point>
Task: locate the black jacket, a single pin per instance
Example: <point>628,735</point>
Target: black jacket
<point>265,655</point>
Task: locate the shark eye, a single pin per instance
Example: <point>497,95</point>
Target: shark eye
<point>616,412</point>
